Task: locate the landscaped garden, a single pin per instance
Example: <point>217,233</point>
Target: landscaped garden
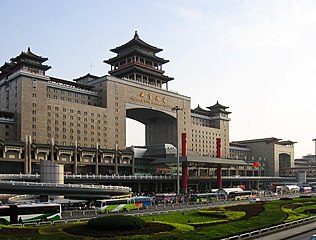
<point>209,223</point>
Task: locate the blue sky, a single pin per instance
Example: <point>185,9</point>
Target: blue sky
<point>256,56</point>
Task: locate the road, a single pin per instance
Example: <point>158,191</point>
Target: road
<point>302,232</point>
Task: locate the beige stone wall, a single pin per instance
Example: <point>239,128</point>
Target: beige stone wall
<point>132,95</point>
<point>45,112</point>
<point>204,140</point>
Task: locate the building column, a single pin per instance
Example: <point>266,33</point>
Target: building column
<point>219,167</point>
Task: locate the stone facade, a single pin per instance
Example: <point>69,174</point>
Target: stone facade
<point>91,111</point>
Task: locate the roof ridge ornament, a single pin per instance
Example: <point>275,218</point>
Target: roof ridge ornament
<point>136,35</point>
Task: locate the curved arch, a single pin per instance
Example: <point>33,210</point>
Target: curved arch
<point>160,126</point>
<point>145,115</point>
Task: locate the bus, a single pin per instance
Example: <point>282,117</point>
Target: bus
<point>32,212</point>
<point>203,197</point>
<point>115,205</point>
<point>166,197</point>
<point>143,201</point>
<point>238,196</point>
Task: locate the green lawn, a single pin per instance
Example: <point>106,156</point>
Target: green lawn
<point>203,224</point>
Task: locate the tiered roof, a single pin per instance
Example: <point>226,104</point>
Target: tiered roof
<point>137,47</point>
<point>217,108</point>
<point>24,59</point>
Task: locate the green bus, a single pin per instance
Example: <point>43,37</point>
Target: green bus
<point>115,205</point>
<point>203,197</point>
<point>32,212</point>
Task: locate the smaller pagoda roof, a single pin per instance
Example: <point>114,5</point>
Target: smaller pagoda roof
<point>25,58</point>
<point>136,41</point>
<point>216,108</point>
<point>7,66</point>
<point>200,110</point>
<point>87,76</point>
<point>30,55</point>
<point>70,83</point>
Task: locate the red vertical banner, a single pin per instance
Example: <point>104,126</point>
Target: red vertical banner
<point>184,164</point>
<point>184,144</point>
<point>218,148</point>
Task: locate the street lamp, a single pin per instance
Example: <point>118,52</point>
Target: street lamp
<point>315,152</point>
<point>177,109</point>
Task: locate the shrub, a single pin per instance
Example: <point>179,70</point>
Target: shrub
<point>116,223</point>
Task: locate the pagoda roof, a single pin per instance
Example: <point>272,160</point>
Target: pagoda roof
<point>25,58</point>
<point>88,75</point>
<point>218,108</point>
<point>66,82</point>
<point>30,55</point>
<point>138,52</point>
<point>134,68</point>
<point>136,41</point>
<point>200,110</point>
<point>7,66</point>
<point>33,64</point>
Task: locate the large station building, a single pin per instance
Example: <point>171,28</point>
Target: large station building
<point>81,123</point>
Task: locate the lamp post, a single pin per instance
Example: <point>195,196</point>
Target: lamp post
<point>177,109</point>
<point>315,152</point>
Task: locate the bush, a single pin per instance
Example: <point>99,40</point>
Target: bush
<point>116,223</point>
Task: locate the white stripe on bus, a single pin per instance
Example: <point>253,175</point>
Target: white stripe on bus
<point>118,208</point>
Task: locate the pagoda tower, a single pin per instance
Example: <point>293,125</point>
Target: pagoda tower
<point>136,60</point>
<point>27,62</point>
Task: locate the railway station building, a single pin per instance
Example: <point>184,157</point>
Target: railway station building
<point>81,123</point>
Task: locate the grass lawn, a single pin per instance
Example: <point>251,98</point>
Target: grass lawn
<point>202,224</point>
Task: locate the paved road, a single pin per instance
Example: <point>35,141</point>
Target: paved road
<point>297,233</point>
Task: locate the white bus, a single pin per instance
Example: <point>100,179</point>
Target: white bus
<point>33,212</point>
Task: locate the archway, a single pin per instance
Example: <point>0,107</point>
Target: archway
<point>160,127</point>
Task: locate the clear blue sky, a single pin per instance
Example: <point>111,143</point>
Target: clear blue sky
<point>257,57</point>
